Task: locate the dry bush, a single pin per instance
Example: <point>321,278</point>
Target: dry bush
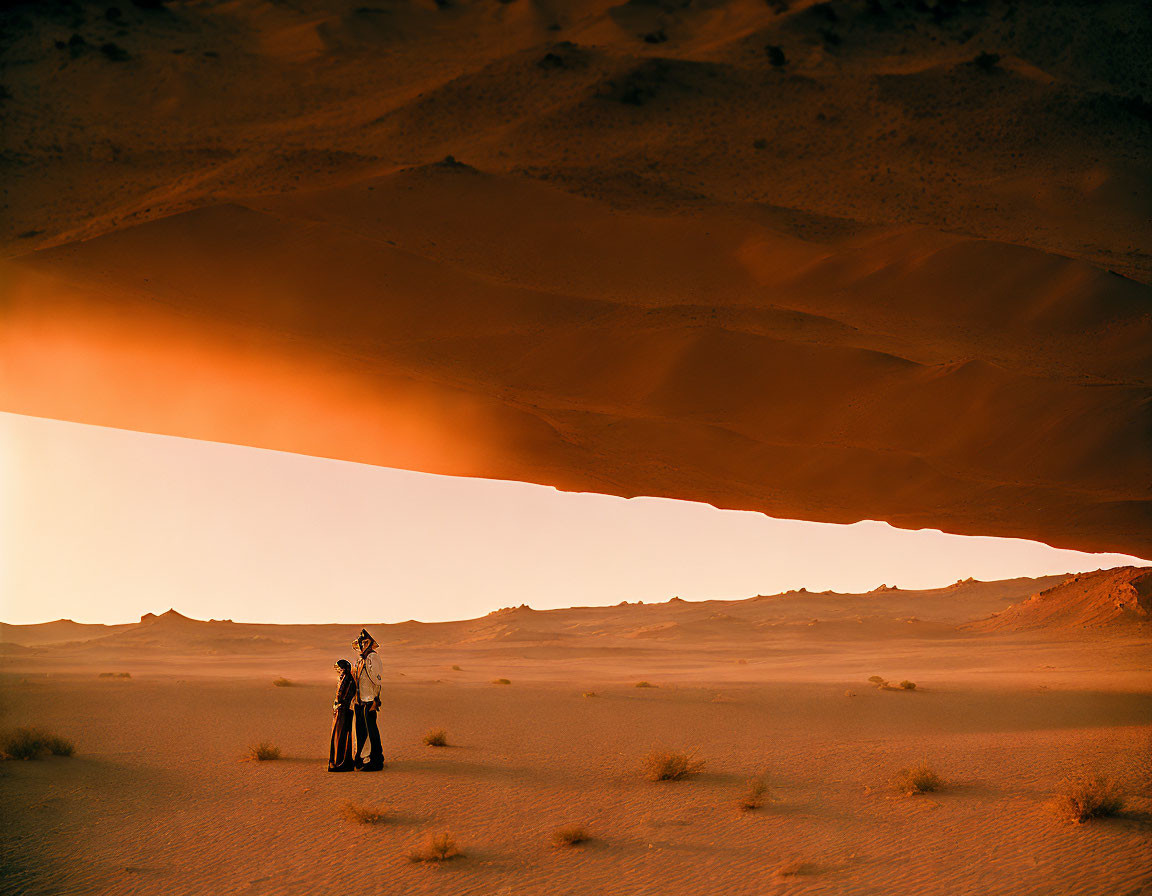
<point>878,682</point>
<point>645,684</point>
<point>456,669</point>
<point>437,737</point>
<point>569,835</point>
<point>359,814</point>
<point>907,685</point>
<point>591,694</point>
<point>670,765</point>
<point>918,779</point>
<point>436,848</point>
<point>757,792</point>
<point>501,681</point>
<point>282,683</point>
<point>263,752</point>
<point>1083,799</point>
<point>34,743</point>
<point>115,674</point>
<point>849,693</point>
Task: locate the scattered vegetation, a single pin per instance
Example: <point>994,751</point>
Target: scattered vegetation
<point>877,681</point>
<point>437,737</point>
<point>263,752</point>
<point>670,765</point>
<point>115,674</point>
<point>645,684</point>
<point>283,683</point>
<point>918,779</point>
<point>907,685</point>
<point>756,794</point>
<point>591,694</point>
<point>360,814</point>
<point>1083,799</point>
<point>501,681</point>
<point>34,743</point>
<point>436,848</point>
<point>569,835</point>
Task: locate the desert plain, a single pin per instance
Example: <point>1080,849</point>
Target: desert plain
<point>1020,684</point>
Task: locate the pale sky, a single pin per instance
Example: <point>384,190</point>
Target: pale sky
<point>103,525</point>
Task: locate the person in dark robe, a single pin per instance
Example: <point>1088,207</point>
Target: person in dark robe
<point>342,754</point>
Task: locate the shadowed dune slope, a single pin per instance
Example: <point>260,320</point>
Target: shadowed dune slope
<point>827,261</point>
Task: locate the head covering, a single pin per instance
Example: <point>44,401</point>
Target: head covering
<point>364,636</point>
<point>345,666</point>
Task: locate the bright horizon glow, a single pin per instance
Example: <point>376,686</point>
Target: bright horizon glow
<point>105,525</point>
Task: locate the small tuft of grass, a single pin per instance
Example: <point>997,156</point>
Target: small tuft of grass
<point>34,743</point>
<point>645,684</point>
<point>501,681</point>
<point>907,685</point>
<point>918,779</point>
<point>360,814</point>
<point>283,683</point>
<point>757,792</point>
<point>569,835</point>
<point>671,765</point>
<point>456,669</point>
<point>877,681</point>
<point>436,848</point>
<point>1082,799</point>
<point>263,752</point>
<point>437,737</point>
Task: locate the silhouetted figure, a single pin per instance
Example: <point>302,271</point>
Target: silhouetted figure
<point>341,756</point>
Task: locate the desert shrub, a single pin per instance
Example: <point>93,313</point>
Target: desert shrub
<point>849,693</point>
<point>757,792</point>
<point>501,681</point>
<point>591,694</point>
<point>877,681</point>
<point>918,779</point>
<point>263,752</point>
<point>670,765</point>
<point>281,683</point>
<point>115,52</point>
<point>437,737</point>
<point>645,684</point>
<point>1083,799</point>
<point>776,57</point>
<point>569,835</point>
<point>907,685</point>
<point>115,674</point>
<point>34,743</point>
<point>456,669</point>
<point>436,848</point>
<point>360,814</point>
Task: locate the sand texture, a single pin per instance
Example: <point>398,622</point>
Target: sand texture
<point>157,799</point>
<point>899,273</point>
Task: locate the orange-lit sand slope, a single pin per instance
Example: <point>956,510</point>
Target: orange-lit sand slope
<point>157,801</point>
<point>891,278</point>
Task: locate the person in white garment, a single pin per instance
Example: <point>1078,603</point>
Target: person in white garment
<point>369,675</point>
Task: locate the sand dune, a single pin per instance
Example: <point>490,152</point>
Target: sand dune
<point>830,261</point>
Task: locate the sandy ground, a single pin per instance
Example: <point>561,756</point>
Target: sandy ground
<point>158,799</point>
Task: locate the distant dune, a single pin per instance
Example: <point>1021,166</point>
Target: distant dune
<point>830,261</point>
<point>1087,599</point>
<point>1114,597</point>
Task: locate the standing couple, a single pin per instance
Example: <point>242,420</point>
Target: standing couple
<point>357,701</point>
